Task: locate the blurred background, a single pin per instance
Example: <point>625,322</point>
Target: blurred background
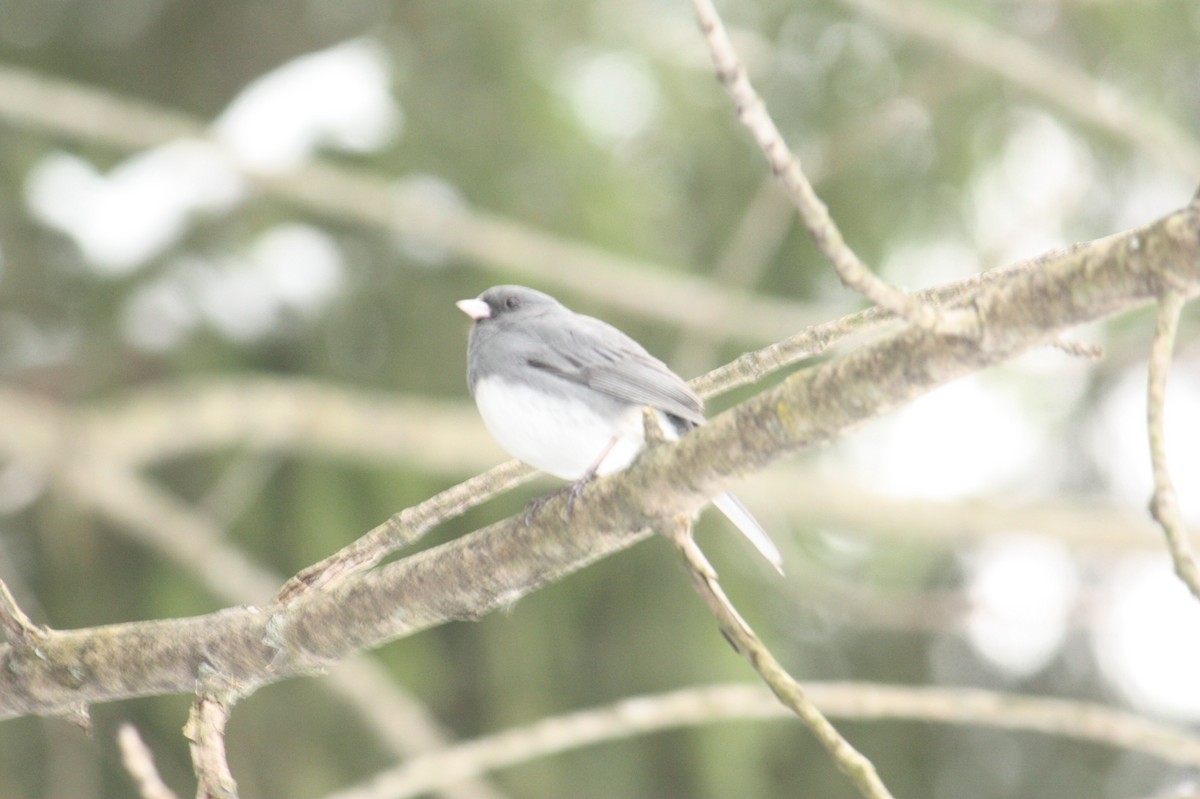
<point>231,235</point>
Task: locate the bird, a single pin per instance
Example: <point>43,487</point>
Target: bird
<point>564,393</point>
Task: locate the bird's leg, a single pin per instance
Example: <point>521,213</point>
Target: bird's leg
<point>576,488</point>
<point>573,489</point>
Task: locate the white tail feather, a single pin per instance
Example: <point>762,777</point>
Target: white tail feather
<point>736,512</point>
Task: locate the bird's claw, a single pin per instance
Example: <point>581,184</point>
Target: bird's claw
<point>573,491</point>
<point>534,506</point>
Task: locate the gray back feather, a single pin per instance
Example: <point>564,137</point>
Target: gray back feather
<point>549,338</point>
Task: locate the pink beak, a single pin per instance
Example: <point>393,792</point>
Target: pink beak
<point>476,309</point>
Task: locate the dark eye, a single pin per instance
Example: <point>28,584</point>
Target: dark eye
<point>512,303</point>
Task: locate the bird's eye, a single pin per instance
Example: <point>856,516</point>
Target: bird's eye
<point>512,303</point>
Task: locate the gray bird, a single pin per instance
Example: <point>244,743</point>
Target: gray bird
<point>564,392</point>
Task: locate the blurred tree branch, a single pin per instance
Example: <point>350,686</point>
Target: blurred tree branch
<point>787,689</point>
<point>1164,502</point>
<point>95,456</point>
<point>139,762</point>
<point>752,112</point>
<point>62,673</point>
<point>495,566</point>
<point>491,241</point>
<point>115,490</point>
<point>304,418</point>
<point>754,115</point>
<point>1056,82</point>
<point>642,715</point>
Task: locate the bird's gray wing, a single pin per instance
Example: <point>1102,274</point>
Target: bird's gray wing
<point>595,354</point>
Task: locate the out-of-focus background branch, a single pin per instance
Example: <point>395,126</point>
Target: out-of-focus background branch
<point>230,236</point>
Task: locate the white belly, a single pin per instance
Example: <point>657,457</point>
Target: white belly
<point>556,435</point>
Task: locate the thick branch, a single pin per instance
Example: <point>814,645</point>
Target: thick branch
<point>495,566</point>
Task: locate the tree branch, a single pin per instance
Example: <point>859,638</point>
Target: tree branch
<point>643,715</point>
<point>18,628</point>
<point>810,498</point>
<point>1058,82</point>
<point>95,116</point>
<point>493,567</point>
<point>1164,504</point>
<point>205,731</point>
<point>168,526</point>
<point>753,114</point>
<point>405,527</point>
<point>787,690</point>
<point>159,422</point>
<point>139,762</point>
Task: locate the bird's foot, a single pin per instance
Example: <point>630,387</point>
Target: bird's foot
<point>573,491</point>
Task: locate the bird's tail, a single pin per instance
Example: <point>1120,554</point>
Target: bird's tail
<point>736,512</point>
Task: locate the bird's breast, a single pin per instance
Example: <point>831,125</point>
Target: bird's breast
<point>562,432</point>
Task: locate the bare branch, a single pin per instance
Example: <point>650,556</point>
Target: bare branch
<point>808,497</point>
<point>493,567</point>
<point>1164,505</point>
<point>205,731</point>
<point>643,715</point>
<point>819,339</point>
<point>746,643</point>
<point>406,527</point>
<point>139,762</point>
<point>969,706</point>
<point>268,414</point>
<point>165,524</point>
<point>1055,81</point>
<point>136,430</point>
<point>1079,349</point>
<point>753,114</point>
<point>22,633</point>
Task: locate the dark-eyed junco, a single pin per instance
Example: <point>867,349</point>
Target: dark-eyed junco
<point>564,392</point>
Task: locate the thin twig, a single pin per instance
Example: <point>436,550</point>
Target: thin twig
<point>743,639</point>
<point>819,339</point>
<point>712,704</point>
<point>1164,504</point>
<point>205,731</point>
<point>139,762</point>
<point>20,630</point>
<point>405,527</point>
<point>785,165</point>
<point>810,498</point>
<point>1078,349</point>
